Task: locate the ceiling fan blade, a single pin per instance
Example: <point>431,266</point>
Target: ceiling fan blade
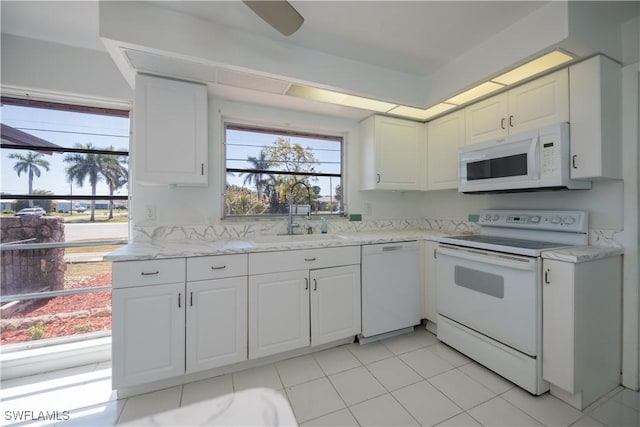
<point>279,14</point>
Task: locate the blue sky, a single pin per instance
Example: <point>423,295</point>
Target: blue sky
<point>65,129</point>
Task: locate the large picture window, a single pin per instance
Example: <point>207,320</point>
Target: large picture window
<point>64,195</point>
<point>267,170</point>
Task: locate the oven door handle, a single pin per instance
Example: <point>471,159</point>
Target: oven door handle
<point>493,258</point>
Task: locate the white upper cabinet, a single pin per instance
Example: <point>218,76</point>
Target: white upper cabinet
<point>170,132</point>
<point>541,102</point>
<point>444,136</point>
<point>596,141</point>
<point>393,154</point>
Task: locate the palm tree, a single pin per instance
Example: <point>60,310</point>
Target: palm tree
<point>115,174</point>
<point>83,166</point>
<point>31,164</point>
<point>260,164</point>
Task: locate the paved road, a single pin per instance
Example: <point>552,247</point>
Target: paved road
<point>96,231</point>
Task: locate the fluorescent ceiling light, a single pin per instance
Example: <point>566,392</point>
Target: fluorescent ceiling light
<point>420,114</point>
<point>339,98</point>
<point>545,62</point>
<point>475,92</point>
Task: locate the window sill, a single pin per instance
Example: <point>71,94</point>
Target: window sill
<point>54,357</point>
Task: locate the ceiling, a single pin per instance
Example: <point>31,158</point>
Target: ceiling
<point>416,37</point>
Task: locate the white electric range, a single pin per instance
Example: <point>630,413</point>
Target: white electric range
<point>490,288</point>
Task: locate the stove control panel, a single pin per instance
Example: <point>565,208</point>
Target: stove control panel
<point>569,221</point>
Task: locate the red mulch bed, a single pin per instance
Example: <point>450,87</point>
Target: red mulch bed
<point>67,304</point>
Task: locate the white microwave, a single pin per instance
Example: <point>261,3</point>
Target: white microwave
<point>530,161</point>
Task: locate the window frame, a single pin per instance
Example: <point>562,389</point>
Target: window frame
<point>68,104</point>
<point>338,137</point>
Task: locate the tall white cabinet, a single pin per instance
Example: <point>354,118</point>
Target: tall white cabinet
<point>581,328</point>
<point>393,154</point>
<point>596,119</point>
<point>170,132</point>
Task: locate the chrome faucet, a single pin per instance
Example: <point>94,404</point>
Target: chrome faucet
<point>290,224</point>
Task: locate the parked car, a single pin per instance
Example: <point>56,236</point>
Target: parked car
<point>31,211</point>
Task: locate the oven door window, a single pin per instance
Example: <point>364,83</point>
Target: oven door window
<point>479,281</point>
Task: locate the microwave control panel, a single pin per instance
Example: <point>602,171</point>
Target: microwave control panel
<point>550,157</point>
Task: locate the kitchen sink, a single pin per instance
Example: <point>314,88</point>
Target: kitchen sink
<point>292,238</point>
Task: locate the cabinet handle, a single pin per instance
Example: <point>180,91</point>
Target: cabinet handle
<point>435,256</point>
<point>502,120</point>
<point>315,285</point>
<point>219,268</point>
<point>546,277</point>
<point>310,259</point>
<point>191,299</point>
<point>378,178</point>
<point>202,169</point>
<point>306,284</point>
<point>573,161</point>
<point>149,274</point>
<point>511,121</point>
<point>179,300</point>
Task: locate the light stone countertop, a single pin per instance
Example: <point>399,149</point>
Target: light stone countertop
<point>138,251</point>
<point>578,254</point>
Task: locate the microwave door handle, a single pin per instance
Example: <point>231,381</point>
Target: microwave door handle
<point>503,260</point>
<point>534,155</point>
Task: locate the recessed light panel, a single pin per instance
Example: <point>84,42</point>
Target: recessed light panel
<point>531,68</point>
<point>474,93</point>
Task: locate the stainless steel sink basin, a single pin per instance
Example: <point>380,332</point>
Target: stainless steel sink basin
<point>293,238</point>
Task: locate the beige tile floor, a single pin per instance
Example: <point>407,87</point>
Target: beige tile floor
<point>408,380</point>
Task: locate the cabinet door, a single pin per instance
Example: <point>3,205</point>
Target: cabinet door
<point>400,154</point>
<point>444,136</point>
<point>596,141</point>
<point>486,120</point>
<point>170,132</point>
<point>216,323</point>
<point>541,102</point>
<point>148,333</point>
<point>558,324</point>
<point>335,303</point>
<point>278,312</point>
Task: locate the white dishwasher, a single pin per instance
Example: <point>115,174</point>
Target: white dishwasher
<point>390,289</point>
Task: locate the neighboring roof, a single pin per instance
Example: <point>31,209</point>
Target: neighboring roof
<point>13,136</point>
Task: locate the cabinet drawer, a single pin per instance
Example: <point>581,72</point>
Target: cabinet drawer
<point>128,274</point>
<point>304,259</point>
<point>216,267</point>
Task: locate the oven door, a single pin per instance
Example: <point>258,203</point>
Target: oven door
<point>506,164</point>
<point>495,294</point>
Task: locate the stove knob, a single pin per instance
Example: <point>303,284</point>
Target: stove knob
<point>487,217</point>
<point>534,219</point>
<point>556,220</point>
<point>496,217</point>
<point>569,220</point>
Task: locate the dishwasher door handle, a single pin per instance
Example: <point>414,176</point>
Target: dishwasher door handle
<point>392,248</point>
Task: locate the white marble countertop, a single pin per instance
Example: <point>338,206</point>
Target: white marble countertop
<point>138,251</point>
<point>578,254</point>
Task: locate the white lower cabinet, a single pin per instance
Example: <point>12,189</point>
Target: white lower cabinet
<point>163,330</point>
<point>581,328</point>
<point>216,323</point>
<point>147,333</point>
<point>306,306</point>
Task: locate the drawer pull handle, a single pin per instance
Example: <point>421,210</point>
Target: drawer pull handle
<point>573,161</point>
<point>502,123</point>
<point>310,259</point>
<point>150,274</point>
<point>511,121</point>
<point>219,268</point>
